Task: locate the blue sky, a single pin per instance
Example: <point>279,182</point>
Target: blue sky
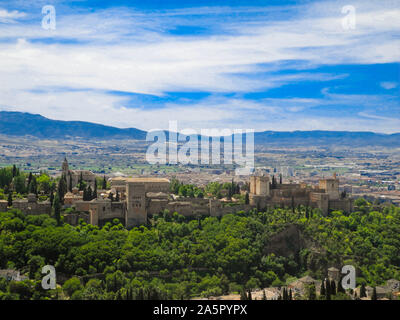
<point>262,65</point>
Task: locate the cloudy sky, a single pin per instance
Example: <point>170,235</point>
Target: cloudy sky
<point>262,65</point>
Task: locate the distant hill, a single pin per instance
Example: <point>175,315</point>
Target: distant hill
<point>328,138</point>
<point>23,124</point>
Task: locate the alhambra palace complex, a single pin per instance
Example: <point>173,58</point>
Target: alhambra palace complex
<point>144,197</point>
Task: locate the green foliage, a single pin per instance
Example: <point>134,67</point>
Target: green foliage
<point>175,257</point>
<point>71,286</point>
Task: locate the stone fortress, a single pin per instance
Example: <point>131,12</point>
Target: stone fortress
<point>325,196</point>
<point>141,198</point>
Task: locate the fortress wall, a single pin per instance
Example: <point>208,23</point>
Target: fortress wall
<point>183,208</point>
<point>73,218</point>
<point>345,205</point>
<point>3,205</point>
<point>289,193</point>
<point>155,206</point>
<point>34,208</point>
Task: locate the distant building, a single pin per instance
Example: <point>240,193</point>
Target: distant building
<point>32,206</point>
<point>11,274</point>
<point>73,176</point>
<point>325,197</point>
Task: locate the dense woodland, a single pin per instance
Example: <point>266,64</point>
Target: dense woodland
<point>176,258</point>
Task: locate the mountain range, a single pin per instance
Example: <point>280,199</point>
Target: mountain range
<point>27,124</point>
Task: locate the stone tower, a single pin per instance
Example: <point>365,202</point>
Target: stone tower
<point>259,185</point>
<point>136,213</point>
<point>65,167</point>
<point>331,187</point>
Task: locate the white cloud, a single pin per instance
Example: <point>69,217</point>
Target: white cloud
<point>126,50</point>
<point>389,85</point>
<point>10,16</point>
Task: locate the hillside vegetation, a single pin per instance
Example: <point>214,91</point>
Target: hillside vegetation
<point>176,258</point>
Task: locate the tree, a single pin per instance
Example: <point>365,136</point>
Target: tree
<point>310,294</point>
<point>89,194</point>
<point>19,184</point>
<point>243,295</point>
<point>328,289</point>
<point>333,287</point>
<point>94,196</point>
<point>273,184</point>
<point>62,188</point>
<point>44,183</point>
<point>14,171</point>
<point>51,199</point>
<point>280,178</point>
<point>340,288</point>
<point>29,178</point>
<point>57,209</point>
<point>104,187</point>
<point>363,292</point>
<point>70,182</point>
<point>80,182</point>
<point>33,185</point>
<point>247,198</point>
<point>72,285</point>
<point>322,290</point>
<point>117,196</point>
<point>264,297</point>
<point>9,201</point>
<point>374,296</point>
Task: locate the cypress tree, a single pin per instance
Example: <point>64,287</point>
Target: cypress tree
<point>57,209</point>
<point>340,288</point>
<point>247,198</point>
<point>89,194</point>
<point>284,295</point>
<point>62,188</point>
<point>10,201</point>
<point>94,196</point>
<point>323,290</point>
<point>104,183</point>
<point>32,187</point>
<point>363,292</point>
<point>14,171</point>
<point>70,182</point>
<point>280,178</point>
<point>117,196</point>
<point>80,182</point>
<point>30,178</point>
<point>328,289</point>
<point>374,296</point>
<point>243,295</point>
<point>290,295</point>
<point>264,297</point>
<point>249,295</point>
<point>333,287</point>
<point>51,199</point>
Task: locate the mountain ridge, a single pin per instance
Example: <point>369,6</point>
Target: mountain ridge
<point>14,123</point>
